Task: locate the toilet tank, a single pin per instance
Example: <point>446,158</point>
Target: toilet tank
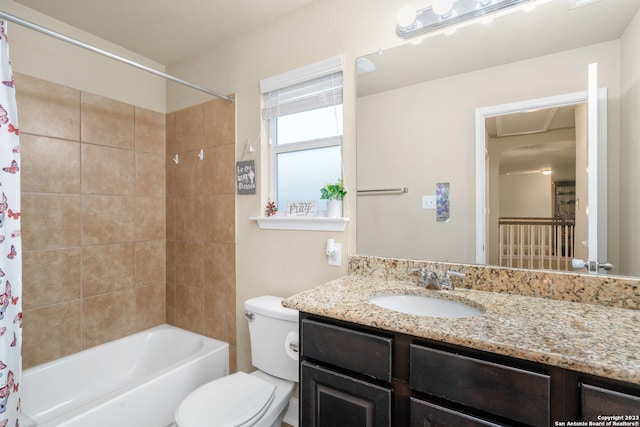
<point>273,330</point>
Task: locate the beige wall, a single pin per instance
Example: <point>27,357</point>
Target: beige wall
<point>526,195</point>
<point>41,56</point>
<point>630,149</point>
<point>93,219</point>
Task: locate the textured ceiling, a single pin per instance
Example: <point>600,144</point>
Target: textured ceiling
<point>166,31</point>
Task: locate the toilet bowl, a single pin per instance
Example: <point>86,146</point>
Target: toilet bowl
<point>258,399</point>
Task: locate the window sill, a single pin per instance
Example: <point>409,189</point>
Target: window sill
<point>301,223</point>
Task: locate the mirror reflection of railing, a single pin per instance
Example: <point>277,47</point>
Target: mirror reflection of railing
<point>537,243</point>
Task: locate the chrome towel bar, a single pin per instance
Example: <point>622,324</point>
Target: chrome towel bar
<point>382,191</point>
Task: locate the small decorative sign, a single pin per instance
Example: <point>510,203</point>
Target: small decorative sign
<point>301,208</point>
<point>246,177</point>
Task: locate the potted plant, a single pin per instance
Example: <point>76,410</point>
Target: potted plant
<point>334,194</point>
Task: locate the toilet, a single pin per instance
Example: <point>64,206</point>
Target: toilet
<point>261,398</point>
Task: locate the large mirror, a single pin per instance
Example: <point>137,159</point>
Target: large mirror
<point>416,128</point>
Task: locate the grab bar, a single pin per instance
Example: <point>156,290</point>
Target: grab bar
<point>381,191</point>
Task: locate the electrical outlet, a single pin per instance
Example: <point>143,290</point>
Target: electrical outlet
<point>428,202</point>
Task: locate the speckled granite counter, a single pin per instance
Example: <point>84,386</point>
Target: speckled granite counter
<point>595,339</point>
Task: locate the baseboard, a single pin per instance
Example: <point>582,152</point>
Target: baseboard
<point>291,417</point>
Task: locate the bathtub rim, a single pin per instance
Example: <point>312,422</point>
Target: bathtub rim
<point>78,354</point>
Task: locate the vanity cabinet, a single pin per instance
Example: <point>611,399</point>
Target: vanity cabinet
<point>353,375</point>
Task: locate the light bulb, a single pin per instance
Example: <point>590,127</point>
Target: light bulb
<point>406,16</point>
<point>442,7</point>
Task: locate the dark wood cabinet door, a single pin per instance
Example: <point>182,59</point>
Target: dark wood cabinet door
<point>331,399</point>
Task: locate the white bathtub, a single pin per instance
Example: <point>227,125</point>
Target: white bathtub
<point>135,381</point>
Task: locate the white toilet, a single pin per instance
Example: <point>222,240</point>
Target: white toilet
<point>259,399</point>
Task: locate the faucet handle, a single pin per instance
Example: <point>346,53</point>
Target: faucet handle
<point>446,280</point>
<point>420,270</point>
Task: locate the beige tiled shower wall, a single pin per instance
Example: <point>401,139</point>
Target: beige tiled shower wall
<point>116,237</point>
<point>201,221</point>
<point>93,211</point>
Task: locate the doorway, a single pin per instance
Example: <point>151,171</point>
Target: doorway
<point>534,190</point>
<point>484,218</point>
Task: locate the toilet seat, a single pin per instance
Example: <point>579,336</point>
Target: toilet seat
<point>236,400</point>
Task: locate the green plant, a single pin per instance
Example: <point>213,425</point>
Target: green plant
<point>333,191</point>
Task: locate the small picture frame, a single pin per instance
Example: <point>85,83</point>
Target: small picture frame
<point>301,208</point>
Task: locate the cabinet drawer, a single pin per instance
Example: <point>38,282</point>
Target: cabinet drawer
<point>601,401</point>
<point>505,391</point>
<point>429,414</point>
<point>353,350</point>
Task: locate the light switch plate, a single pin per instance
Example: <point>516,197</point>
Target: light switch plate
<point>428,202</point>
<point>336,260</point>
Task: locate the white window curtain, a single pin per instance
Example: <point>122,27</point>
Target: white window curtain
<point>306,88</point>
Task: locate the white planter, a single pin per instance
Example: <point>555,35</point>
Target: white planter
<point>334,208</point>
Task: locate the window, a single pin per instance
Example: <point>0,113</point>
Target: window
<point>303,109</point>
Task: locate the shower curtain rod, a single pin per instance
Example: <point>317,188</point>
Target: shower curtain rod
<point>84,45</point>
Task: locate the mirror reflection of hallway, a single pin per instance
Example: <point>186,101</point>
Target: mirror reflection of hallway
<point>536,194</point>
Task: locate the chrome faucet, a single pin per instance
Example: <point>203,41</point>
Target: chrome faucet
<point>429,279</point>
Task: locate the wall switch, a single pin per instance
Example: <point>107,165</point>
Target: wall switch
<point>336,258</point>
<point>428,202</point>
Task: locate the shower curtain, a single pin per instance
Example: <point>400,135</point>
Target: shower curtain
<point>10,244</point>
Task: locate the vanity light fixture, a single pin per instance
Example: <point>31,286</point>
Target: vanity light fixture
<point>445,14</point>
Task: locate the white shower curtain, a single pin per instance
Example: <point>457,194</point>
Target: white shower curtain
<point>10,244</point>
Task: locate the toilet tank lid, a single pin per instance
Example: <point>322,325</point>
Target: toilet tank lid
<point>271,306</point>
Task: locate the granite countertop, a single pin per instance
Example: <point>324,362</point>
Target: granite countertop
<point>588,338</point>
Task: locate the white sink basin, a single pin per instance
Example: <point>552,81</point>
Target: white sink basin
<point>425,306</point>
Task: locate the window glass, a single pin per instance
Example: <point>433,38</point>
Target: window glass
<point>308,125</point>
<point>301,174</point>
